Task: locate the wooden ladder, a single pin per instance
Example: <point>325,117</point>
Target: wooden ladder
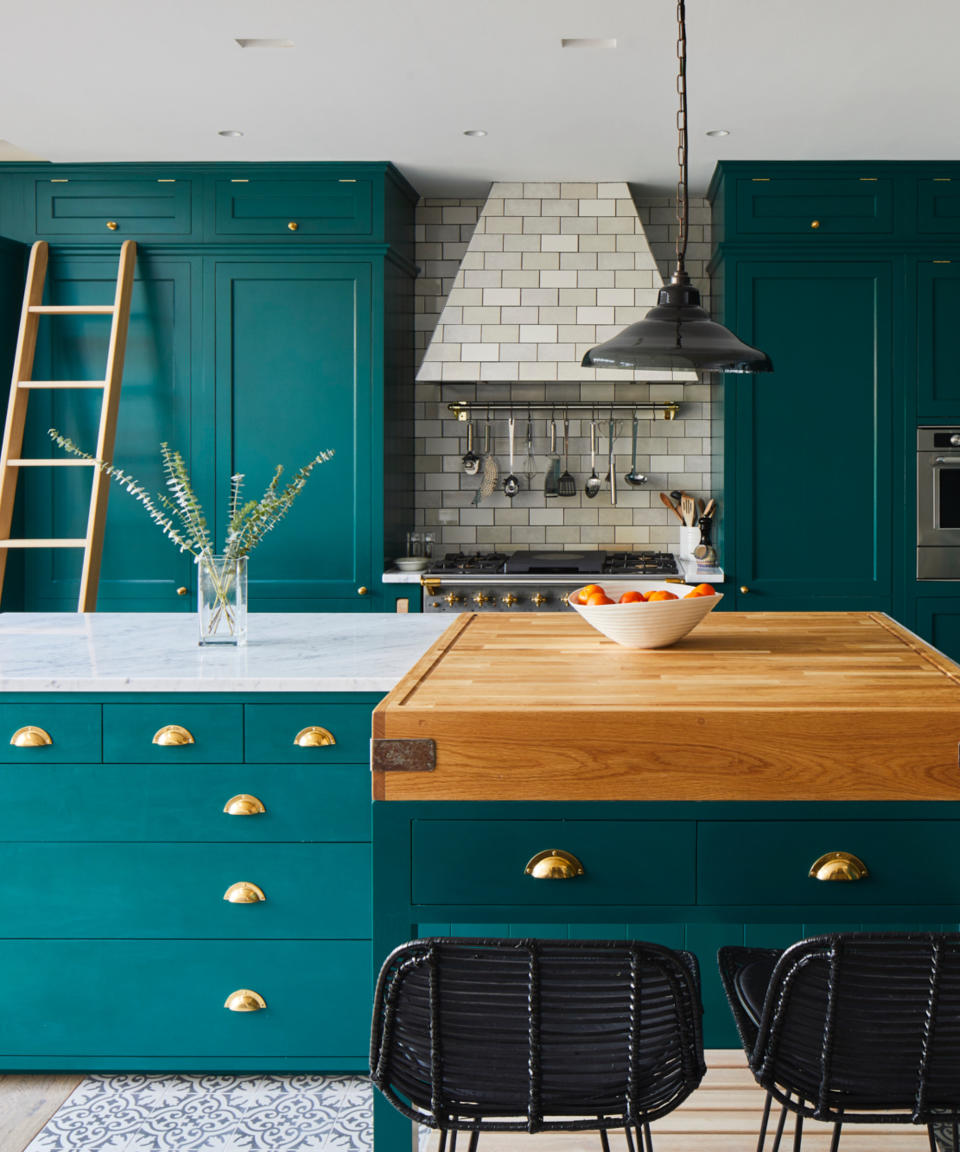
<point>21,385</point>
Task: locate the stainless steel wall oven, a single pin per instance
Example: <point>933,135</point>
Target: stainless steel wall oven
<point>938,503</point>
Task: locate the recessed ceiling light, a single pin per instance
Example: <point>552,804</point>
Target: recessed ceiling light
<point>260,42</point>
<point>475,132</point>
<point>586,42</point>
<point>718,132</point>
<point>229,132</point>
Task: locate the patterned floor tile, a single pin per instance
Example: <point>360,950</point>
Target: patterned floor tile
<point>155,1113</point>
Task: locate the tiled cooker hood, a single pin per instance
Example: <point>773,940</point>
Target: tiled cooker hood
<point>551,270</point>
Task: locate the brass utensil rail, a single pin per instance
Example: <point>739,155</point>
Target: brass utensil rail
<point>464,409</point>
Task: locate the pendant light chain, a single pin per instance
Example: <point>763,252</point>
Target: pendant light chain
<point>682,196</point>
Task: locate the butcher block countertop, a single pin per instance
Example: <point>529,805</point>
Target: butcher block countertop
<point>749,706</point>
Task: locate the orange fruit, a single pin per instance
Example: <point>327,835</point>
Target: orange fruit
<point>583,596</point>
<point>599,598</point>
<point>705,590</point>
<point>661,596</point>
<point>632,598</point>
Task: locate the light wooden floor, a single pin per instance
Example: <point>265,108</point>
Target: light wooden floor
<point>27,1102</point>
<point>723,1116</point>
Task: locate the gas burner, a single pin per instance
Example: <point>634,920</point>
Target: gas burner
<point>640,563</point>
<point>477,562</point>
<point>555,563</point>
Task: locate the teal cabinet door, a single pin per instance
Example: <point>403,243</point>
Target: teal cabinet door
<point>817,207</point>
<point>160,400</point>
<point>77,206</point>
<point>938,206</point>
<point>938,622</point>
<point>295,376</point>
<point>938,301</point>
<point>812,453</point>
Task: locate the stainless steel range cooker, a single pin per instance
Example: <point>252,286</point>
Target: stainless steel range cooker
<point>532,581</point>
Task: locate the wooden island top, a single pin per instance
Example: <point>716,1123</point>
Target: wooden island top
<point>749,706</point>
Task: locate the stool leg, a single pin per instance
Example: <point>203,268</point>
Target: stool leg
<point>646,1132</point>
<point>834,1143</point>
<point>798,1133</point>
<point>780,1124</point>
<point>443,1140</point>
<point>605,1142</point>
<point>764,1121</point>
<point>474,1139</point>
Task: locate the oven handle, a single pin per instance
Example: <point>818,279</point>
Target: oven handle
<point>946,460</point>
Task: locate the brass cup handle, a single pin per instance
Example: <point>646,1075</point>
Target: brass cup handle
<point>554,864</point>
<point>314,737</point>
<point>838,866</point>
<point>244,805</point>
<point>244,892</point>
<point>112,225</point>
<point>245,1000</point>
<point>30,737</point>
<point>173,735</point>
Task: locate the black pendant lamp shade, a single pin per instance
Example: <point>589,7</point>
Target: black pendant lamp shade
<point>678,334</point>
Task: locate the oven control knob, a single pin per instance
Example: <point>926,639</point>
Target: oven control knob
<point>435,604</point>
<point>509,600</point>
<point>453,598</point>
<point>565,598</point>
<point>481,598</point>
<point>540,599</point>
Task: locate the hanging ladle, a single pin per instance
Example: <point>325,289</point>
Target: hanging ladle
<point>511,486</point>
<point>592,486</point>
<point>634,478</point>
<point>471,461</point>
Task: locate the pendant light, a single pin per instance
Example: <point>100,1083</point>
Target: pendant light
<point>678,333</point>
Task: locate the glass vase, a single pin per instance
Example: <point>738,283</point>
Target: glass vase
<point>222,595</point>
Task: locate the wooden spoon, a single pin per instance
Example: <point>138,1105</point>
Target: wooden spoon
<point>688,507</point>
<point>665,499</point>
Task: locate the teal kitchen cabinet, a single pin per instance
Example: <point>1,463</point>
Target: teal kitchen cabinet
<point>938,622</point>
<point>809,447</point>
<point>161,400</point>
<point>272,318</point>
<point>121,945</point>
<point>295,375</point>
<point>937,287</point>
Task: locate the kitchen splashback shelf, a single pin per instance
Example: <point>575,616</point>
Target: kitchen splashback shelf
<point>464,409</point>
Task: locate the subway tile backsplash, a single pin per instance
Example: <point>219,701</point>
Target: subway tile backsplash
<point>672,454</point>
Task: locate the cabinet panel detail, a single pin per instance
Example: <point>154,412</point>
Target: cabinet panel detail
<point>816,208</point>
<point>118,209</point>
<point>268,208</point>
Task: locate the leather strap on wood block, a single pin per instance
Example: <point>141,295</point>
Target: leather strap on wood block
<point>404,755</point>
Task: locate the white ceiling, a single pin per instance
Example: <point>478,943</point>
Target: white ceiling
<point>133,80</point>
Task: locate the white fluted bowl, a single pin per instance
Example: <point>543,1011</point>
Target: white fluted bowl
<point>656,624</point>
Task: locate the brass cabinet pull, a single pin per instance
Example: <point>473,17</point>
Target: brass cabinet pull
<point>838,866</point>
<point>245,1000</point>
<point>244,892</point>
<point>112,225</point>
<point>554,864</point>
<point>293,225</point>
<point>172,735</point>
<point>244,804</point>
<point>181,591</point>
<point>362,590</point>
<point>30,737</point>
<point>314,737</point>
<point>814,223</point>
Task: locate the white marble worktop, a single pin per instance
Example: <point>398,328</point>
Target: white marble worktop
<point>158,652</point>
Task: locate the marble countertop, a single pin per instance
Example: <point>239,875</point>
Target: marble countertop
<point>158,652</point>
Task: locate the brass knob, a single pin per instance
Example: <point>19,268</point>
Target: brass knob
<point>243,892</point>
<point>30,737</point>
<point>453,598</point>
<point>314,737</point>
<point>814,223</point>
<point>481,598</point>
<point>744,589</point>
<point>181,591</point>
<point>838,866</point>
<point>540,599</point>
<point>554,864</point>
<point>293,225</point>
<point>112,225</point>
<point>245,1000</point>
<point>244,805</point>
<point>565,598</point>
<point>362,590</point>
<point>172,735</point>
<point>509,600</point>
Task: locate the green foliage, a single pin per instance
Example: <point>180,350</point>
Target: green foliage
<point>179,513</point>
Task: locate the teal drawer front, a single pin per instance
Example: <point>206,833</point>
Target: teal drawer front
<point>159,999</point>
<point>267,208</point>
<point>183,802</point>
<point>313,891</point>
<point>481,862</point>
<point>843,207</point>
<point>129,730</point>
<point>77,207</point>
<point>273,729</point>
<point>938,207</point>
<point>73,730</point>
<point>910,862</point>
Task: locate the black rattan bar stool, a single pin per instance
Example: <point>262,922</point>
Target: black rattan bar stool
<point>537,1035</point>
<point>853,1028</point>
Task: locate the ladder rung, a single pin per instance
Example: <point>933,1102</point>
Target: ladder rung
<point>73,309</point>
<point>61,543</point>
<point>61,383</point>
<point>44,463</point>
